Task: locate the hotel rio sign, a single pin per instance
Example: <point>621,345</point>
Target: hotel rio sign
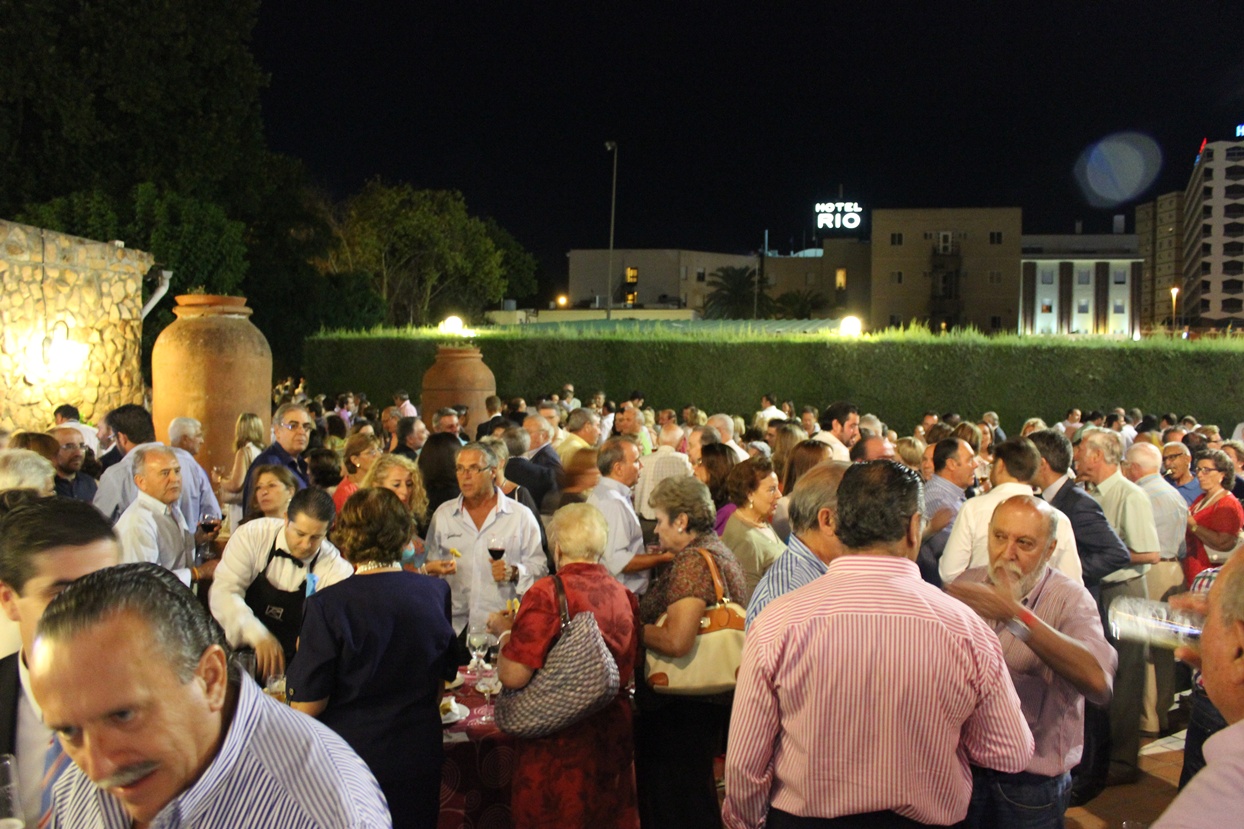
<point>838,215</point>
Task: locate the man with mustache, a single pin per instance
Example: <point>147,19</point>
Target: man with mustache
<point>133,677</point>
<point>1056,652</point>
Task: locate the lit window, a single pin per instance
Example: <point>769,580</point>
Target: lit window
<point>1047,306</point>
<point>840,279</point>
<point>632,276</point>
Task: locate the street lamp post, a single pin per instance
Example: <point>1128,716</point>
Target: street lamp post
<point>1174,319</point>
<point>611,146</point>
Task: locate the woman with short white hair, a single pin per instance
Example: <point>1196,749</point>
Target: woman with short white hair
<point>583,776</point>
<point>24,469</point>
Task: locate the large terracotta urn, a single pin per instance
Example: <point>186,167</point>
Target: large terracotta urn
<point>211,364</point>
<point>459,377</point>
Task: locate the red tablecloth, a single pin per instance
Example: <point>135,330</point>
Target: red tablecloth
<point>479,766</point>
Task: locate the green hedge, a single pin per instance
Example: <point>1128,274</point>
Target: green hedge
<point>895,375</point>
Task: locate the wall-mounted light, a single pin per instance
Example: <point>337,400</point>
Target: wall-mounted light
<point>53,357</point>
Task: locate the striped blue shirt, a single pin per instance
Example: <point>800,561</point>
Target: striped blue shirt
<point>277,769</point>
<point>793,568</point>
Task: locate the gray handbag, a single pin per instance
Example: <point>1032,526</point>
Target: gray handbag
<point>579,678</point>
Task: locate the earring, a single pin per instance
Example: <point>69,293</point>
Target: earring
<point>749,504</point>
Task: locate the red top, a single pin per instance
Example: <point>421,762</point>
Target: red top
<point>588,587</point>
<point>1225,515</point>
<point>343,492</point>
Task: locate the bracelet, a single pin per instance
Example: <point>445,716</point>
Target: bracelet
<point>194,575</point>
<point>1027,617</point>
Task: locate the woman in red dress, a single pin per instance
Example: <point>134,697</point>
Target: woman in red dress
<point>584,775</point>
<point>1215,517</point>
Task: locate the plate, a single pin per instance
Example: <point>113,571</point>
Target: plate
<point>457,713</point>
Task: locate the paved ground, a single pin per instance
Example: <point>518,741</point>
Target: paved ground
<point>1160,763</point>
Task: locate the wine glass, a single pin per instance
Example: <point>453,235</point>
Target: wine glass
<point>209,522</point>
<point>487,685</point>
<point>478,639</point>
<point>496,548</point>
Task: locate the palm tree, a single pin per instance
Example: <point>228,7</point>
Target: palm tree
<point>800,305</point>
<point>734,295</point>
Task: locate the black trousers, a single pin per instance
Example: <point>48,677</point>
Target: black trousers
<point>873,820</point>
<point>675,745</point>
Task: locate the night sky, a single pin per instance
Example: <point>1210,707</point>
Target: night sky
<point>734,118</point>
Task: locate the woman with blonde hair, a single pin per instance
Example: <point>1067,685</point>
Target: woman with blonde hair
<point>789,435</point>
<point>910,451</point>
<point>401,476</point>
<point>248,441</point>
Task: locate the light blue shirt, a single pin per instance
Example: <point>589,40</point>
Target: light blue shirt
<point>1190,491</point>
<point>939,493</point>
<point>1170,514</point>
<point>276,769</point>
<point>794,568</point>
<point>117,489</point>
<point>626,538</point>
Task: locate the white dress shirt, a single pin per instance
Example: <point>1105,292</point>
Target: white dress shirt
<point>968,545</point>
<point>117,489</point>
<point>626,539</point>
<point>740,454</point>
<point>243,562</point>
<point>475,592</point>
<point>152,531</point>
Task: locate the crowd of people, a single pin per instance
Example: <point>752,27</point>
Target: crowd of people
<point>927,614</point>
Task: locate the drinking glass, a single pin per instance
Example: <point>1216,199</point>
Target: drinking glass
<point>487,685</point>
<point>478,639</point>
<point>1155,623</point>
<point>275,688</point>
<point>11,816</point>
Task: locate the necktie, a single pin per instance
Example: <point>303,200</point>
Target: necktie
<point>53,765</point>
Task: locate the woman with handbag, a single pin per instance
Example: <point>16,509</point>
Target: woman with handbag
<point>583,775</point>
<point>678,737</point>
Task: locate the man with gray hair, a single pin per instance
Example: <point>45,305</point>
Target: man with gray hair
<point>1130,514</point>
<point>539,480</point>
<point>813,544</point>
<point>151,529</point>
<point>582,432</point>
<point>1057,655</point>
<point>134,677</point>
<point>724,425</point>
<point>541,451</point>
<point>24,469</point>
<point>664,462</point>
<point>186,433</point>
<point>1177,467</point>
<point>1142,465</point>
<point>697,439</point>
<point>624,554</point>
<point>292,426</point>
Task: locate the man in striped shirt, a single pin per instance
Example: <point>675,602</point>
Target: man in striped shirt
<point>813,543</point>
<point>133,677</point>
<point>1056,651</point>
<point>864,695</point>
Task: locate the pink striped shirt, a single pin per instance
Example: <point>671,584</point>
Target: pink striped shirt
<point>869,690</point>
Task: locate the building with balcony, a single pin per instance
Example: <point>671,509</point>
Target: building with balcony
<point>1213,238</point>
<point>948,267</point>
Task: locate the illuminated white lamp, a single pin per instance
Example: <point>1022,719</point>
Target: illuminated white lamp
<point>454,327</point>
<point>850,327</point>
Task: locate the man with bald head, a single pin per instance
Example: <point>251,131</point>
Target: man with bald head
<point>151,529</point>
<point>70,453</point>
<point>1057,655</point>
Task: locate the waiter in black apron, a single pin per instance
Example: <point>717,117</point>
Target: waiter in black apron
<point>268,569</point>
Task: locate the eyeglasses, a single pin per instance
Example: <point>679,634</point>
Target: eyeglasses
<point>298,427</point>
<point>69,447</point>
<point>698,462</point>
<point>1201,469</point>
<point>471,470</point>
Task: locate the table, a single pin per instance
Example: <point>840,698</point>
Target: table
<point>478,770</point>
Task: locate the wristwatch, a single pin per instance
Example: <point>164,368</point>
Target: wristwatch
<point>1021,625</point>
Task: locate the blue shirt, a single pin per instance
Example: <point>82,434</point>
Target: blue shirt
<point>274,455</point>
<point>117,489</point>
<point>1190,491</point>
<point>939,493</point>
<point>276,769</point>
<point>1170,515</point>
<point>794,568</point>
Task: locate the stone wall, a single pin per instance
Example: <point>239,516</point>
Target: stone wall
<point>70,325</point>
